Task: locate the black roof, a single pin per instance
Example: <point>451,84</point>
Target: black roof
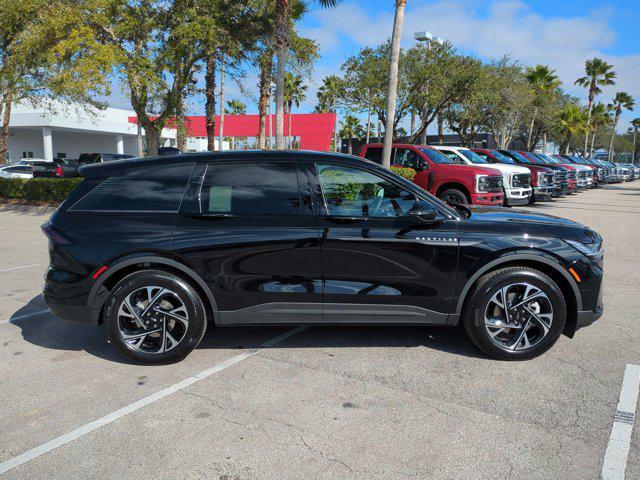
<point>113,167</point>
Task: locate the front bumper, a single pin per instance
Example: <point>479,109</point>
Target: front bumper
<point>518,196</point>
<point>587,317</point>
<point>495,199</point>
<point>542,193</point>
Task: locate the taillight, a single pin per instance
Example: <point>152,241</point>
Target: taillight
<point>59,171</point>
<point>54,235</point>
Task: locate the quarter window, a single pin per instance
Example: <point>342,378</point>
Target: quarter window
<point>261,188</point>
<point>157,190</point>
<point>351,192</point>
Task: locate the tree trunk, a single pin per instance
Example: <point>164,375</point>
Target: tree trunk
<point>635,134</point>
<point>350,145</point>
<point>393,82</point>
<point>593,141</point>
<point>368,123</point>
<point>533,122</point>
<point>265,83</point>
<point>412,123</point>
<point>221,128</point>
<point>139,148</point>
<point>613,135</point>
<point>282,41</point>
<point>591,99</point>
<point>289,126</point>
<point>181,127</point>
<point>440,128</point>
<point>153,137</point>
<point>7,103</point>
<point>210,103</point>
<point>544,143</point>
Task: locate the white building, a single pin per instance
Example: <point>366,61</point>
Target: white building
<point>58,130</point>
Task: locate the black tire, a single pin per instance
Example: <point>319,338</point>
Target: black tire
<point>480,296</point>
<point>453,195</point>
<point>182,290</point>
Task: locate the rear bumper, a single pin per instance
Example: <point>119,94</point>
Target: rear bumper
<point>496,199</point>
<point>73,313</point>
<point>68,299</point>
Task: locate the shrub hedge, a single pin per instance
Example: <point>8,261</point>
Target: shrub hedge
<point>407,173</point>
<point>38,189</point>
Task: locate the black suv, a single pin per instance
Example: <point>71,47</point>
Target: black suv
<point>158,248</point>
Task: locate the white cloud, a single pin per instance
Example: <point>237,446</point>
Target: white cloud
<point>502,27</point>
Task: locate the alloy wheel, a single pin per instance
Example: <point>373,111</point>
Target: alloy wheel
<point>152,320</point>
<point>518,316</point>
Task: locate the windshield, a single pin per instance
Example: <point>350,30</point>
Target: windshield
<point>435,156</point>
<point>473,156</point>
<point>521,158</point>
<point>578,160</point>
<point>546,158</point>
<point>502,158</point>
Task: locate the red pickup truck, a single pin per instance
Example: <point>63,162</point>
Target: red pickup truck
<point>436,173</point>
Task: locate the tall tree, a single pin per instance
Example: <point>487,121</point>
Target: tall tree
<point>282,38</point>
<point>635,124</point>
<point>39,58</point>
<point>622,101</point>
<point>235,107</point>
<point>392,81</point>
<point>544,83</point>
<point>598,74</point>
<point>600,117</point>
<point>294,94</point>
<point>572,121</point>
<point>329,95</point>
<point>350,128</point>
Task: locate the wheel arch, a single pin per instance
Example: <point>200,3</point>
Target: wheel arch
<point>100,290</point>
<point>455,185</point>
<point>547,266</point>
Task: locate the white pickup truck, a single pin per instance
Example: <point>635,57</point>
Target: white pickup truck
<point>516,179</point>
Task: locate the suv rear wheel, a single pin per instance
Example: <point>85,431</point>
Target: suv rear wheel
<point>153,316</point>
<point>515,313</point>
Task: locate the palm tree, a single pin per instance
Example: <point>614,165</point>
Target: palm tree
<point>635,123</point>
<point>600,117</point>
<point>572,121</point>
<point>282,27</point>
<point>235,107</point>
<point>331,90</point>
<point>392,83</point>
<point>350,127</point>
<point>621,101</point>
<point>294,93</point>
<point>543,81</point>
<point>599,74</point>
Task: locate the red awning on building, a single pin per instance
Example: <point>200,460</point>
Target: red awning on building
<point>313,129</point>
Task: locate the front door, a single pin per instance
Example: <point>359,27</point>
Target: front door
<point>380,265</point>
<point>248,229</point>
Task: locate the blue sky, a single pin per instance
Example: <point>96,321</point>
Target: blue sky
<point>562,34</point>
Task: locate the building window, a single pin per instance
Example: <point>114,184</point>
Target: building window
<point>27,154</point>
<point>61,155</point>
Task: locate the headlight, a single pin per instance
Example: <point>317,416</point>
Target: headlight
<point>485,183</point>
<point>587,249</point>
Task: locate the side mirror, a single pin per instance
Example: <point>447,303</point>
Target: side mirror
<point>423,212</point>
<point>422,166</point>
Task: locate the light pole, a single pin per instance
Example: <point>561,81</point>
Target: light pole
<point>271,87</point>
<point>429,39</point>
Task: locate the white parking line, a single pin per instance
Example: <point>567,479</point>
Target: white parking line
<point>159,395</point>
<point>19,268</point>
<point>615,458</point>
<point>26,315</point>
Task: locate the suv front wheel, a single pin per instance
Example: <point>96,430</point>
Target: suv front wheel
<point>515,313</point>
<point>153,316</point>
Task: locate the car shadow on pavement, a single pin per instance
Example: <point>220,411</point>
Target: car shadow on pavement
<point>47,331</point>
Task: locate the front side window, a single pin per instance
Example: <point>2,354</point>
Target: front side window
<point>374,154</point>
<point>260,188</point>
<point>406,158</point>
<point>148,190</point>
<point>351,192</point>
<point>473,157</point>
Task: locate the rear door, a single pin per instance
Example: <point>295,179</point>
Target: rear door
<point>248,229</point>
<point>379,265</point>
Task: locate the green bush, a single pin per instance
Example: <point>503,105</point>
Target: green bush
<point>407,173</point>
<point>38,189</point>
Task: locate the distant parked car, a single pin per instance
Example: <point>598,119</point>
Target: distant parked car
<point>69,168</point>
<point>16,171</point>
<point>169,151</point>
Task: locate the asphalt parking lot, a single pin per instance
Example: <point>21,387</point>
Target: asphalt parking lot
<point>320,402</point>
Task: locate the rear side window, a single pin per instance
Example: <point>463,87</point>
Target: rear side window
<point>260,188</point>
<point>150,190</point>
